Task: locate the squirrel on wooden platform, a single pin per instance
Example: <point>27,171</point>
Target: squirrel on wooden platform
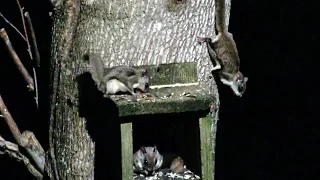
<point>177,165</point>
<point>223,51</point>
<point>147,160</point>
<point>118,78</point>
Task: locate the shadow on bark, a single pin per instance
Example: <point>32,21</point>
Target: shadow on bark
<point>103,125</point>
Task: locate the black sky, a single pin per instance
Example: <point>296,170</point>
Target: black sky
<point>267,134</point>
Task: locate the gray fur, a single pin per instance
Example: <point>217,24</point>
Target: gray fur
<point>147,160</point>
<point>118,78</point>
<point>224,55</point>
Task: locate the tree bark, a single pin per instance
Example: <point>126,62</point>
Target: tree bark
<point>137,32</point>
<point>71,153</point>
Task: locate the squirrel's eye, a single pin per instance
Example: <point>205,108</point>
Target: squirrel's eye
<point>145,161</point>
<point>155,161</point>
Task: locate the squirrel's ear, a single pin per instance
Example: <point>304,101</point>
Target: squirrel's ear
<point>143,149</point>
<point>154,148</point>
<point>246,79</point>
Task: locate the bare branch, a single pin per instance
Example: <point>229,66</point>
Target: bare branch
<point>7,21</point>
<point>36,86</point>
<point>16,59</point>
<point>8,145</point>
<point>37,55</point>
<point>26,139</point>
<point>29,49</point>
<point>9,120</point>
<point>29,141</point>
<point>12,150</point>
<point>34,40</point>
<point>24,28</point>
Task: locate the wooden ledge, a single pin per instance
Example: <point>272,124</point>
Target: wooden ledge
<point>164,100</point>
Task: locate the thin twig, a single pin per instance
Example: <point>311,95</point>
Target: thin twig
<point>16,59</point>
<point>6,20</point>
<point>37,55</point>
<point>12,150</point>
<point>29,50</point>
<point>34,40</point>
<point>27,139</point>
<point>24,28</point>
<point>36,87</point>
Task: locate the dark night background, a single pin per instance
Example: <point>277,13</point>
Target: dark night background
<point>266,134</point>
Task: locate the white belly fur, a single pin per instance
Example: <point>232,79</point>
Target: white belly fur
<point>114,86</point>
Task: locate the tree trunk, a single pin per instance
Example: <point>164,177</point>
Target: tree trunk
<point>136,32</point>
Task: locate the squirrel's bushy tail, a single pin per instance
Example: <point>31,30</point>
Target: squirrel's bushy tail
<point>220,15</point>
<point>96,67</point>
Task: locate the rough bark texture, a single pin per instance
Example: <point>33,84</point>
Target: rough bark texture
<point>71,154</point>
<point>136,32</point>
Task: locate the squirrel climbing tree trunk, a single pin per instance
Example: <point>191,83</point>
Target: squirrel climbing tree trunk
<point>137,32</point>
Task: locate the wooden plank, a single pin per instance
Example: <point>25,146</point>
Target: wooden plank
<point>166,100</point>
<point>206,147</point>
<point>126,151</point>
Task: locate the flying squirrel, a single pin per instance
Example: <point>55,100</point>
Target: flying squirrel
<point>177,165</point>
<point>223,51</point>
<point>117,78</point>
<point>147,160</point>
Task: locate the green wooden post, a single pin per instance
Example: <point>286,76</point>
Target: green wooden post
<point>207,151</point>
<point>126,151</point>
